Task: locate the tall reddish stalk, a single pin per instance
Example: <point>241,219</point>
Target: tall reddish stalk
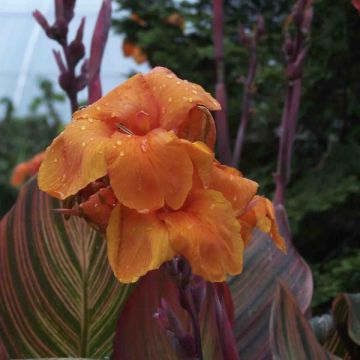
<point>221,116</point>
<point>73,52</point>
<point>295,51</point>
<point>251,44</point>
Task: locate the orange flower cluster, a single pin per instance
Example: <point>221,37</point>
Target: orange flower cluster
<point>159,192</point>
<point>26,169</point>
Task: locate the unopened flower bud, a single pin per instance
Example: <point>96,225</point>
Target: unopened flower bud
<point>260,30</point>
<point>76,47</point>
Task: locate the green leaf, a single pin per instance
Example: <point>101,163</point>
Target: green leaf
<point>254,290</point>
<point>58,296</point>
<point>291,335</point>
<point>140,336</point>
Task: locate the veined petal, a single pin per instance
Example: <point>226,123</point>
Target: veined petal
<point>207,233</point>
<point>199,126</point>
<point>176,97</point>
<point>123,106</point>
<point>260,213</point>
<point>75,158</point>
<point>236,188</point>
<point>137,243</point>
<point>147,172</point>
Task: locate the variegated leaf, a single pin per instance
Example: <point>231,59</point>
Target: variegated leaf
<point>58,296</point>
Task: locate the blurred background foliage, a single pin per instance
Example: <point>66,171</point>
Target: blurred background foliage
<point>324,191</point>
<point>23,137</point>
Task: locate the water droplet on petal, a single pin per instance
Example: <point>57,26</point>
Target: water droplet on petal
<point>122,153</point>
<point>170,76</point>
<point>170,99</point>
<point>190,100</point>
<point>83,127</point>
<point>90,120</point>
<point>144,211</point>
<point>118,142</point>
<point>83,144</point>
<point>194,91</point>
<point>212,206</point>
<point>98,108</point>
<point>55,160</point>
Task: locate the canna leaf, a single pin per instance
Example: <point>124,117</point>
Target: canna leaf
<point>254,290</point>
<point>140,335</point>
<point>344,340</point>
<point>291,335</point>
<point>58,296</point>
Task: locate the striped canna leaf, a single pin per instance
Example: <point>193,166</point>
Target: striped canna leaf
<point>254,290</point>
<point>58,296</point>
<point>291,335</point>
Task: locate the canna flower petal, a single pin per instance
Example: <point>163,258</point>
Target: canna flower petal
<point>199,126</point>
<point>207,233</point>
<point>131,104</point>
<point>260,213</point>
<point>75,158</point>
<point>176,97</point>
<point>147,172</point>
<point>26,169</point>
<point>236,188</point>
<point>137,243</point>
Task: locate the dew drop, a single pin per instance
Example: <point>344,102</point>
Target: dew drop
<point>91,139</point>
<point>231,177</point>
<point>90,120</point>
<point>190,100</point>
<point>169,99</point>
<point>96,205</point>
<point>122,153</point>
<point>178,82</point>
<point>144,211</point>
<point>83,144</point>
<point>98,108</point>
<point>170,76</point>
<point>55,160</point>
<point>212,206</point>
<point>83,127</point>
<point>194,91</point>
<point>118,142</point>
<point>234,198</point>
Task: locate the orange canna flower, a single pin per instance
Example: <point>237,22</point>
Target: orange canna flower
<point>176,19</point>
<point>141,163</point>
<point>26,169</point>
<point>131,49</point>
<point>136,18</point>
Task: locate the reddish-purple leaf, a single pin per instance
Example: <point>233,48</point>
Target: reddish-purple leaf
<point>254,290</point>
<point>291,335</point>
<point>58,295</point>
<point>98,43</point>
<point>140,336</point>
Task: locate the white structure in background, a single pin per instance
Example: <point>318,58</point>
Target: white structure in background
<point>26,52</point>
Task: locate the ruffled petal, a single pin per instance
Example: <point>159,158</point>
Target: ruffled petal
<point>147,172</point>
<point>136,243</point>
<point>75,158</point>
<point>260,213</point>
<point>207,233</point>
<point>236,188</point>
<point>129,104</point>
<point>176,97</point>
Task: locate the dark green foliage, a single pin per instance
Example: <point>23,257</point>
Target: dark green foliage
<point>23,137</point>
<point>324,191</point>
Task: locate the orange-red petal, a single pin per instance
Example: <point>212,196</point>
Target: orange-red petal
<point>123,104</point>
<point>260,213</point>
<point>147,172</point>
<point>207,233</point>
<point>137,243</point>
<point>236,188</point>
<point>75,158</point>
<point>176,97</point>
